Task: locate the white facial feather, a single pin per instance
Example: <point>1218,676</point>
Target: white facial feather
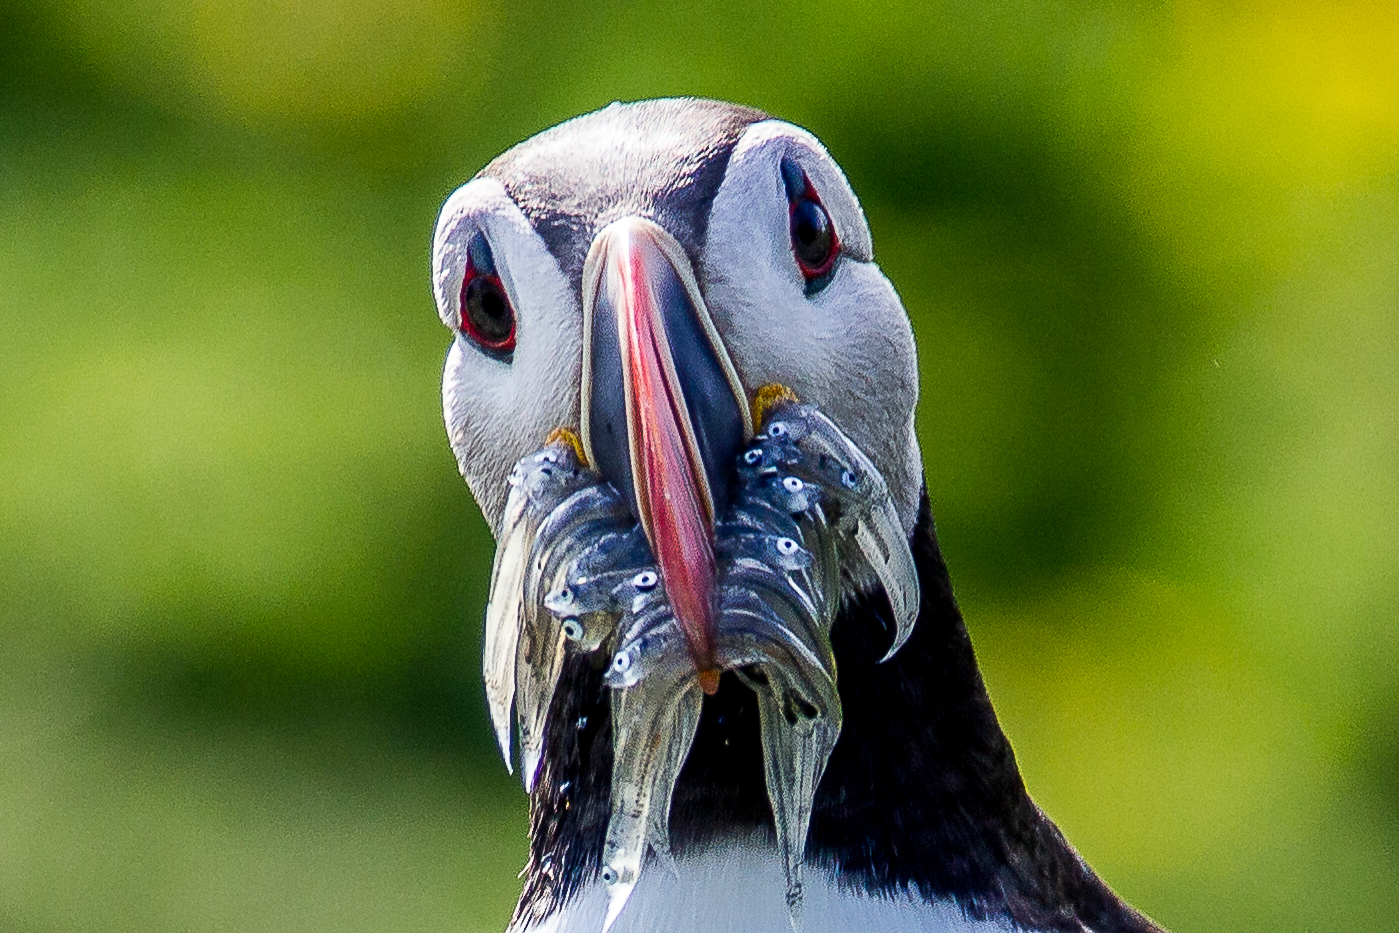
<point>849,349</point>
<point>496,412</point>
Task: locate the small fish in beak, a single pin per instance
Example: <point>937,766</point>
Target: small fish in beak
<point>803,504</point>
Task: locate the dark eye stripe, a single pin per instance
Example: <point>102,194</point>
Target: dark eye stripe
<point>794,180</point>
<point>479,255</point>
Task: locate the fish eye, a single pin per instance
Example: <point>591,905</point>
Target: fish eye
<point>792,484</point>
<point>572,629</point>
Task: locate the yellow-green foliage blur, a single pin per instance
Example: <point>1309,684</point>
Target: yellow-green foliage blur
<point>1151,253</point>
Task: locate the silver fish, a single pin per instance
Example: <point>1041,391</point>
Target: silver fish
<point>574,573</point>
<point>653,726</point>
<point>538,483</point>
<point>589,514</point>
<point>811,448</point>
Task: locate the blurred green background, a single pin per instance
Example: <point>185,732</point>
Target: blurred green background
<point>1151,252</point>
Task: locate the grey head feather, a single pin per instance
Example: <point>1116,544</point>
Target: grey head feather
<point>660,159</point>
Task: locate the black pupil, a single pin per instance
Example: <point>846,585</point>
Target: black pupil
<point>811,233</point>
<point>488,310</point>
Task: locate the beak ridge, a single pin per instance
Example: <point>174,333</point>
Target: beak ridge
<point>664,414</point>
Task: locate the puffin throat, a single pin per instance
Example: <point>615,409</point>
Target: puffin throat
<point>663,412</point>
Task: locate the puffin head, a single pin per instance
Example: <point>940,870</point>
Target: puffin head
<point>756,249</point>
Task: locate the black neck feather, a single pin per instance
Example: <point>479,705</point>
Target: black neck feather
<point>922,794</point>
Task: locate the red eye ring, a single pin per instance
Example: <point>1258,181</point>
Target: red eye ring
<point>485,313</point>
<point>810,213</point>
<point>815,243</point>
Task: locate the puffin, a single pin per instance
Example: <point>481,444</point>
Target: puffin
<point>721,644</point>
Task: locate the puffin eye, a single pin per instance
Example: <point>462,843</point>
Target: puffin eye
<point>486,315</point>
<point>814,241</point>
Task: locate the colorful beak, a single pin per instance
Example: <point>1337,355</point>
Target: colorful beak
<point>663,413</point>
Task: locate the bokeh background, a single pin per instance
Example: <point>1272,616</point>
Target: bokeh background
<point>1151,252</point>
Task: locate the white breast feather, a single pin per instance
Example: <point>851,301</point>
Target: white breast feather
<point>739,888</point>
